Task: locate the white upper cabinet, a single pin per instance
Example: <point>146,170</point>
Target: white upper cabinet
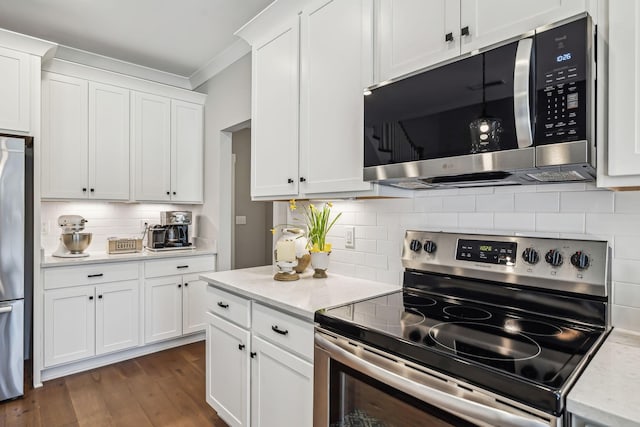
<point>85,139</point>
<point>108,142</point>
<point>151,132</point>
<point>187,152</point>
<point>15,90</point>
<point>413,34</point>
<point>620,165</point>
<point>64,137</point>
<point>336,65</point>
<point>491,21</point>
<point>274,115</point>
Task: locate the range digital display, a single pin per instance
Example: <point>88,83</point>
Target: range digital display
<point>503,253</point>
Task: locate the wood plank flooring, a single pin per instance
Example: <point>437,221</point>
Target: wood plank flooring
<point>161,389</point>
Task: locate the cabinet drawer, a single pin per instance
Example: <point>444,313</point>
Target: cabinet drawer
<point>63,277</point>
<point>181,265</point>
<point>289,332</point>
<point>229,306</point>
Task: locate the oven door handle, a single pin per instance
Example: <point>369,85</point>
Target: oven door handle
<point>521,95</point>
<point>466,409</point>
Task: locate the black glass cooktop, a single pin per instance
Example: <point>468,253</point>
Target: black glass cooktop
<point>527,357</point>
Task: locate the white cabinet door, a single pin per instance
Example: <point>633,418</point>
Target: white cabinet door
<point>15,90</point>
<point>69,319</point>
<point>162,308</point>
<point>109,169</point>
<point>64,137</point>
<point>281,387</point>
<point>624,92</point>
<point>187,154</point>
<point>194,304</point>
<point>492,21</point>
<point>274,118</point>
<point>228,371</point>
<point>412,34</point>
<point>336,65</point>
<point>117,316</point>
<point>151,131</point>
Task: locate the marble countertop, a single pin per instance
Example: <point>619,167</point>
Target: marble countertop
<point>302,297</point>
<point>103,257</point>
<point>608,391</point>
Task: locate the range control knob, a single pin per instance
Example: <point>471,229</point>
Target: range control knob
<point>430,247</point>
<point>415,245</point>
<point>554,257</point>
<point>580,260</point>
<point>531,256</point>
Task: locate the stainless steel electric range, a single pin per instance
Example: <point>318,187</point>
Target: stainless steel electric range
<point>487,330</point>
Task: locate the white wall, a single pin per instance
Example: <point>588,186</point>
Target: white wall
<point>105,220</point>
<point>557,210</point>
<point>228,106</point>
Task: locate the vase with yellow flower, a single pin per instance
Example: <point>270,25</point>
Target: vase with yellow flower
<point>318,225</point>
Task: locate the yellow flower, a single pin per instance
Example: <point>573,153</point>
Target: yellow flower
<point>313,208</point>
<point>292,204</point>
<point>330,204</point>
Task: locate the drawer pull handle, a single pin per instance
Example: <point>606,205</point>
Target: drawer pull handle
<point>277,330</point>
<point>222,305</point>
<point>95,275</point>
<point>240,346</point>
<point>253,354</point>
<point>182,266</point>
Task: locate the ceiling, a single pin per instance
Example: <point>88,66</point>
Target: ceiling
<point>174,36</point>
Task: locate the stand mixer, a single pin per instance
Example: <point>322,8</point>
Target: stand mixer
<point>72,241</point>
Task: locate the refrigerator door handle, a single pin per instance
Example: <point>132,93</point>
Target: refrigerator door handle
<point>6,309</point>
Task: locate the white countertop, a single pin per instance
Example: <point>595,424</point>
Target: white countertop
<point>302,297</point>
<point>103,257</point>
<point>608,391</point>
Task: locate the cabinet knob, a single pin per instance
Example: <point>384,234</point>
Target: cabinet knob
<point>253,354</point>
<point>240,346</point>
<point>290,181</point>
<point>84,190</point>
<point>179,286</point>
<point>91,298</point>
<point>186,284</point>
<point>303,179</point>
<point>464,31</point>
<point>168,193</point>
<point>92,190</point>
<point>448,37</point>
<point>99,296</point>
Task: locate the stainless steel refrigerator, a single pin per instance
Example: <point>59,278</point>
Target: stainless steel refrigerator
<point>14,239</point>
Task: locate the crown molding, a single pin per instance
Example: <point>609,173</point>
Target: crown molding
<point>95,60</point>
<point>224,59</point>
<point>27,44</point>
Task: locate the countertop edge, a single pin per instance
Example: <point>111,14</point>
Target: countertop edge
<point>104,258</point>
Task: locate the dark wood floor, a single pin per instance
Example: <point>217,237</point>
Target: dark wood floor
<point>160,389</point>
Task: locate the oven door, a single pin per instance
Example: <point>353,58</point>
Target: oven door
<point>356,386</point>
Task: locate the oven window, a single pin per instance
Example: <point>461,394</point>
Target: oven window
<point>358,400</point>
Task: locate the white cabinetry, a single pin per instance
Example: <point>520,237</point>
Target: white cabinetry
<point>15,90</point>
<point>619,164</point>
<point>311,142</point>
<point>167,135</point>
<point>279,390</point>
<point>414,34</point>
<point>85,141</point>
<point>175,305</point>
<point>86,313</point>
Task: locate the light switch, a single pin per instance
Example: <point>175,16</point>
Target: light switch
<point>241,220</point>
<point>350,237</point>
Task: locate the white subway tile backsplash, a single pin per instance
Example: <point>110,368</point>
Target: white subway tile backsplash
<point>537,202</point>
<point>506,189</point>
<point>459,204</point>
<point>560,222</point>
<point>413,220</point>
<point>495,203</point>
<point>391,248</point>
<point>347,218</point>
<point>366,218</point>
<point>428,204</point>
<point>624,270</point>
<point>366,245</point>
<point>626,294</point>
<point>624,224</point>
<point>475,220</point>
<point>347,256</point>
<point>442,220</point>
<point>376,261</point>
<point>625,317</point>
<point>587,201</point>
<point>514,221</point>
<point>475,190</point>
<point>627,202</point>
<point>371,232</point>
<point>627,247</point>
<point>438,192</point>
<point>364,272</point>
<point>389,276</point>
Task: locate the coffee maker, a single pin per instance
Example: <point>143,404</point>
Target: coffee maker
<point>172,233</point>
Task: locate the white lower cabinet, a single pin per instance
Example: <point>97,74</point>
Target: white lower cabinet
<point>85,321</point>
<point>258,374</point>
<point>162,308</point>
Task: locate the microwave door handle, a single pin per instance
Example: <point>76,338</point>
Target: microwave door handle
<point>460,407</point>
<point>521,95</point>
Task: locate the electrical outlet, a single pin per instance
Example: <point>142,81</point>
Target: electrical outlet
<point>144,223</point>
<point>45,227</point>
<point>350,237</point>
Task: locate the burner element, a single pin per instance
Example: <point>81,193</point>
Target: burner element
<point>482,341</point>
<point>467,313</point>
<point>532,327</point>
<point>418,301</point>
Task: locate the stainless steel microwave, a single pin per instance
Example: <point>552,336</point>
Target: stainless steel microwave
<point>519,113</point>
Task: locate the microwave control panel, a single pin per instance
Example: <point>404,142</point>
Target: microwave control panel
<point>561,83</point>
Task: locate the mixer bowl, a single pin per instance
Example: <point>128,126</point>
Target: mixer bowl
<point>76,242</point>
